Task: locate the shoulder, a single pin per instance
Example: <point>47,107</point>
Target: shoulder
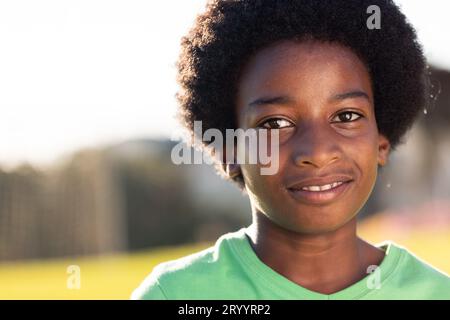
<point>419,278</point>
<point>174,279</point>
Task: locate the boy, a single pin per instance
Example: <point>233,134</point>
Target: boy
<point>341,96</point>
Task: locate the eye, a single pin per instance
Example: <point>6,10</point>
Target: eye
<point>276,123</point>
<point>347,116</point>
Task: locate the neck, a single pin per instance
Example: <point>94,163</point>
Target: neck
<point>324,263</point>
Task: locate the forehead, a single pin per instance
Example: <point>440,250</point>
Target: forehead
<point>308,69</point>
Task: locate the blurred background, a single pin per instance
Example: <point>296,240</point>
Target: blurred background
<point>90,200</point>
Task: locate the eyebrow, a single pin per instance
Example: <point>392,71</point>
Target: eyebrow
<point>271,100</point>
<point>284,100</point>
<point>351,94</point>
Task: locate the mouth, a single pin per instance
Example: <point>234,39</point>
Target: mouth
<point>320,194</point>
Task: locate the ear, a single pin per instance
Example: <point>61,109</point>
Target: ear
<point>384,146</point>
<point>231,169</point>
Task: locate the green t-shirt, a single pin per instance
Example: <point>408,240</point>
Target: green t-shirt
<point>231,270</point>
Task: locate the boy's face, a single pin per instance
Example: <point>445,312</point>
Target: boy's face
<point>319,97</point>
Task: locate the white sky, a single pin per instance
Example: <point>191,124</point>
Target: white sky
<point>83,73</point>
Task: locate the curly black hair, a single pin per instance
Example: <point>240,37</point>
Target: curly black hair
<point>229,32</point>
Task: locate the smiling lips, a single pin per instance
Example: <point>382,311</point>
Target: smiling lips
<point>320,190</point>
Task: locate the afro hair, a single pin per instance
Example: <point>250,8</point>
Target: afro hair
<point>229,32</point>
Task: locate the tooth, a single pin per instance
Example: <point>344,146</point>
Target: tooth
<point>324,187</point>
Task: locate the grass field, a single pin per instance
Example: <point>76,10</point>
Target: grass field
<point>114,277</point>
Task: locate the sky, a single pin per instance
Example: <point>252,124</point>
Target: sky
<point>77,74</point>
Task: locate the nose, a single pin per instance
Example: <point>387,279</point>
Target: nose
<point>315,146</point>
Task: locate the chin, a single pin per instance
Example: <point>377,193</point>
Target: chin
<point>314,224</point>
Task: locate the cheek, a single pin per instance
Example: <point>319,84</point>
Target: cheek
<point>258,186</point>
<point>271,155</point>
<point>364,154</point>
<point>264,190</point>
<point>272,152</point>
<point>256,183</point>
